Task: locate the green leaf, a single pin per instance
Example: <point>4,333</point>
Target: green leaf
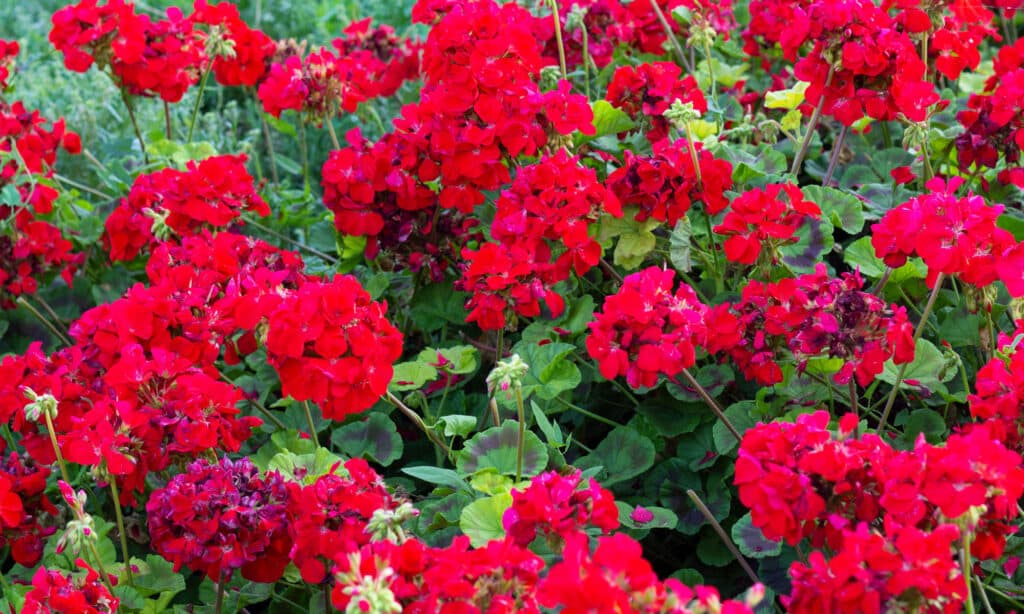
<point>815,241</point>
<point>490,482</point>
<point>497,448</point>
<point>860,254</point>
<point>411,376</point>
<point>624,453</point>
<point>680,246</point>
<point>786,99</point>
<point>928,370</point>
<point>923,421</point>
<point>435,304</point>
<point>550,429</point>
<point>159,577</point>
<point>664,518</point>
<point>438,476</point>
<point>671,418</point>
<point>633,246</point>
<point>374,438</point>
<point>304,468</point>
<point>282,441</point>
<point>609,120</point>
<point>711,551</point>
<point>459,425</point>
<point>551,371</point>
<point>741,416</point>
<point>463,359</point>
<point>481,519</point>
<point>1013,223</point>
<point>751,542</point>
<point>844,210</point>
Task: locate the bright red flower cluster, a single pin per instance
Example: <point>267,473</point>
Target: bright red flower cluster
<point>542,224</point>
<point>665,184</point>
<point>8,51</point>
<point>800,480</point>
<point>250,52</point>
<point>331,344</point>
<point>212,193</point>
<point>646,91</point>
<point>393,60</point>
<point>56,591</point>
<point>999,393</point>
<point>329,517</point>
<point>318,86</point>
<point>863,63</point>
<point>216,518</point>
<point>24,507</point>
<point>764,218</point>
<point>555,507</point>
<point>954,236</point>
<point>31,249</point>
<point>605,24</point>
<point>88,33</point>
<point>645,329</point>
<point>811,315</point>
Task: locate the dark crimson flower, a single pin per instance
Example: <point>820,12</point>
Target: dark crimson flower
<point>394,60</point>
<point>24,508</point>
<point>216,518</point>
<point>646,91</point>
<point>664,185</point>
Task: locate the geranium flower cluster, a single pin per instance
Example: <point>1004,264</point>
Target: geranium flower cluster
<point>604,24</point>
<point>665,184</point>
<point>999,392</point>
<point>954,236</point>
<point>368,63</point>
<point>212,193</point>
<point>762,220</point>
<point>893,519</point>
<point>164,57</point>
<point>216,518</point>
<point>383,191</point>
<point>8,51</point>
<point>542,226</point>
<point>812,315</point>
<point>57,591</point>
<point>645,329</point>
<point>863,63</point>
<point>31,249</point>
<point>332,344</point>
<point>245,53</point>
<point>554,506</point>
<point>646,91</point>
<point>24,507</point>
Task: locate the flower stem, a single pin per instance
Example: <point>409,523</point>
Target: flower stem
<point>167,121</point>
<point>267,139</point>
<point>99,563</point>
<point>312,425</point>
<point>712,404</point>
<point>853,405</point>
<point>586,62</point>
<point>120,529</point>
<point>965,564</point>
<point>812,125</point>
<point>558,39</point>
<point>722,534</point>
<point>219,604</point>
<point>837,148</point>
<point>334,135</point>
<point>521,443</point>
<point>291,241</point>
<point>671,35</point>
<point>711,68</point>
<point>199,102</point>
<point>56,447</point>
<point>45,321</point>
<point>135,123</point>
<point>917,335</point>
<point>415,418</point>
<point>303,149</point>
